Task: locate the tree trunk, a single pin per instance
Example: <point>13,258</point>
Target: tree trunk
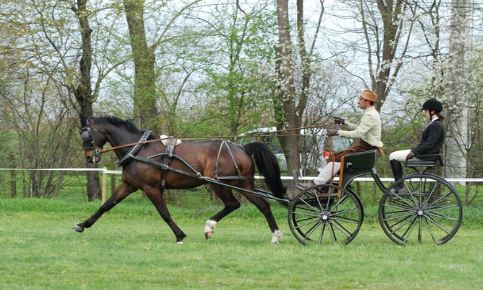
<point>284,102</point>
<point>83,91</point>
<point>145,109</point>
<point>458,112</point>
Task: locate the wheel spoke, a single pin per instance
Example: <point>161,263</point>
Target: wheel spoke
<point>300,226</point>
<point>344,210</point>
<point>341,228</point>
<point>299,220</point>
<point>420,235</point>
<point>442,198</point>
<point>400,223</point>
<point>437,224</point>
<point>401,203</point>
<point>334,237</point>
<point>321,236</point>
<point>309,205</point>
<point>311,230</point>
<point>397,217</point>
<point>340,201</point>
<point>409,229</point>
<point>346,219</point>
<point>429,229</point>
<point>431,213</point>
<point>432,191</point>
<point>306,214</point>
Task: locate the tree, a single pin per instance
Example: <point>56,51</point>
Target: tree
<point>145,107</point>
<point>457,137</point>
<point>83,91</point>
<point>383,43</point>
<point>289,106</point>
<point>145,90</point>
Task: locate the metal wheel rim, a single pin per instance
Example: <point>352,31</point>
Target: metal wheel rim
<point>322,219</point>
<point>430,208</point>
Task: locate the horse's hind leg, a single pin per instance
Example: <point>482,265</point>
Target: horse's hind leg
<point>156,197</point>
<point>230,204</point>
<point>264,207</point>
<point>121,192</point>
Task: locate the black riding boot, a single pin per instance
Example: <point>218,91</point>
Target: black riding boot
<point>397,171</point>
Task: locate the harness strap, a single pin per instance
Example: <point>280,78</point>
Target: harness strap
<point>166,158</point>
<point>135,150</point>
<point>163,166</point>
<point>227,145</point>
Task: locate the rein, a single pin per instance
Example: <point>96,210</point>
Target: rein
<point>105,150</point>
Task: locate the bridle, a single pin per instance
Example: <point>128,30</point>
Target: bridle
<point>87,137</point>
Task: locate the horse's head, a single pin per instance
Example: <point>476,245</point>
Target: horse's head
<point>93,139</point>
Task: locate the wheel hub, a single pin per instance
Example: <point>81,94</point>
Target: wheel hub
<point>324,216</point>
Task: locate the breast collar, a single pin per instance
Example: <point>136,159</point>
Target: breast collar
<point>134,150</point>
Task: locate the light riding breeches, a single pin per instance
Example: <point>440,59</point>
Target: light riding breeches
<point>327,172</point>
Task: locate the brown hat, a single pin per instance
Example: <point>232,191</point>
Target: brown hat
<point>369,95</point>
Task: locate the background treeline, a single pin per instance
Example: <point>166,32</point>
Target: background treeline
<point>208,69</point>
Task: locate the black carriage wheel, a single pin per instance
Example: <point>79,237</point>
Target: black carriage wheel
<point>427,208</point>
<point>318,216</point>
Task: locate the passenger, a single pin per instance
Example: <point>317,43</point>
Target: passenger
<point>367,134</point>
<point>432,140</point>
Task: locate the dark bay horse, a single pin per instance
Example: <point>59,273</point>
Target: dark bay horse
<point>219,160</point>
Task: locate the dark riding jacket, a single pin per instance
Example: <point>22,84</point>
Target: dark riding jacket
<point>432,140</point>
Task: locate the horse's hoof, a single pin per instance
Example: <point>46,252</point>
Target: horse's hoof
<point>208,235</point>
<point>78,228</point>
<point>276,236</point>
<point>179,243</point>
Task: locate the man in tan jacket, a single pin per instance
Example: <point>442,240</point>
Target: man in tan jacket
<point>367,135</point>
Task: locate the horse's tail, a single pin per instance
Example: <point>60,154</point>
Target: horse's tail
<point>268,166</point>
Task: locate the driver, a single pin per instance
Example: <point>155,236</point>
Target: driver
<point>367,135</point>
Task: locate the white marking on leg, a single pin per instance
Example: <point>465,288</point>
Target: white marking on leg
<point>210,228</point>
<point>277,236</point>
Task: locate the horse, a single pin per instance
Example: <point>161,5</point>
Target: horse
<point>147,165</point>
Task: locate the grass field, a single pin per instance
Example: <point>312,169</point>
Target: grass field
<point>132,248</point>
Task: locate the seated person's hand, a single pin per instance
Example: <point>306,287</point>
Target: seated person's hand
<point>338,120</point>
<point>332,132</point>
<point>410,156</point>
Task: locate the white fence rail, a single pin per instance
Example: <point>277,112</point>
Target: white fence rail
<point>106,171</point>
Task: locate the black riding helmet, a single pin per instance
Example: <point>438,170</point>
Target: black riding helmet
<point>433,104</point>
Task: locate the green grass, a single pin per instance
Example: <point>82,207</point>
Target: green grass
<point>132,248</point>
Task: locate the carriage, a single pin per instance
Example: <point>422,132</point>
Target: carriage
<point>428,207</point>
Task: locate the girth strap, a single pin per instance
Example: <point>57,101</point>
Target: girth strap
<point>166,158</point>
<point>227,145</point>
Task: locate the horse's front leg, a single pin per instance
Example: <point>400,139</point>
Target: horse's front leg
<point>121,192</point>
<point>156,197</point>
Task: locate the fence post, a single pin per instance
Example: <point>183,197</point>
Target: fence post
<point>104,185</point>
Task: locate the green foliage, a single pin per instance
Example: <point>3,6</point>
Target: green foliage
<point>8,146</point>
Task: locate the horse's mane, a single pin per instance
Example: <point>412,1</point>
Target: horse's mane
<point>115,121</point>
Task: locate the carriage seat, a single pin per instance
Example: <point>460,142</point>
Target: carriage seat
<point>419,161</point>
<point>360,162</point>
<point>356,164</point>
